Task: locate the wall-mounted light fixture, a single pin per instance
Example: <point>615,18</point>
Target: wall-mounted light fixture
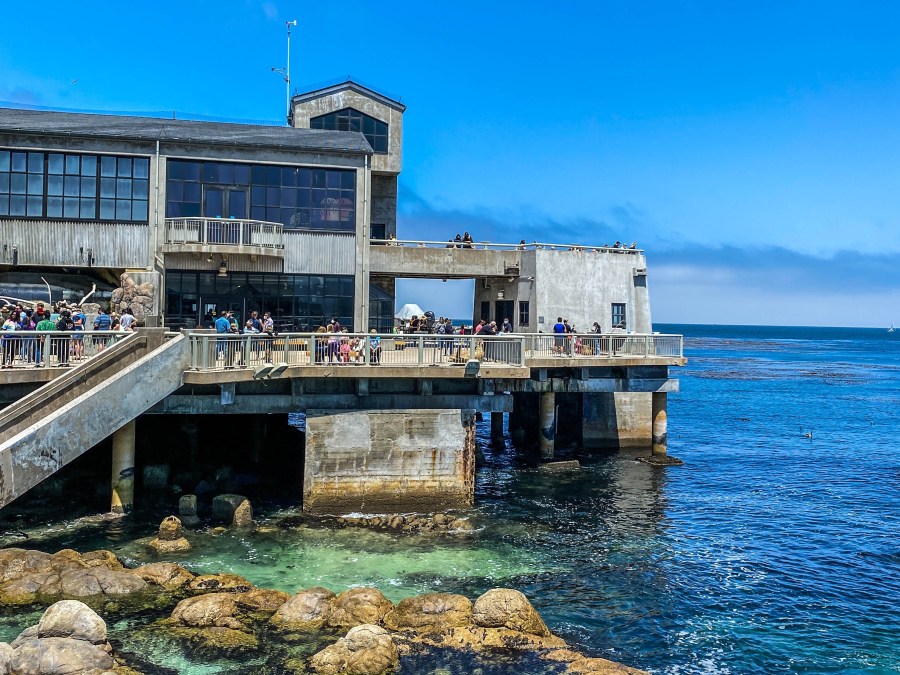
<point>501,295</point>
<point>223,269</point>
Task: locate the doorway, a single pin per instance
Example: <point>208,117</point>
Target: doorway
<point>503,309</point>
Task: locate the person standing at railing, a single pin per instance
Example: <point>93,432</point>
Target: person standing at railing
<point>103,322</point>
<point>45,325</point>
<point>457,241</point>
<point>506,327</point>
<point>127,319</point>
<point>559,336</point>
<point>374,348</point>
<point>65,324</point>
<point>10,346</point>
<point>488,330</point>
<point>468,241</point>
<point>223,327</point>
<point>79,321</point>
<point>268,327</point>
<point>26,323</point>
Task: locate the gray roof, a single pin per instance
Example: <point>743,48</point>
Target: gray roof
<point>123,127</point>
<point>353,86</point>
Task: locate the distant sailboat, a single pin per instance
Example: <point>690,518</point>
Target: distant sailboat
<point>891,329</point>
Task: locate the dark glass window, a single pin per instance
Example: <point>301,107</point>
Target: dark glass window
<point>349,119</point>
<point>296,197</point>
<point>298,302</point>
<point>57,185</point>
<point>618,315</point>
<point>523,313</point>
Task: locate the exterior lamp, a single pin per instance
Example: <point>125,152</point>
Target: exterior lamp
<point>500,295</point>
<point>223,269</point>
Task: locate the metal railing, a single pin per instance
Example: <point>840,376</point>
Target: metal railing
<point>216,351</point>
<point>599,345</point>
<point>37,349</point>
<point>224,231</point>
<point>489,246</point>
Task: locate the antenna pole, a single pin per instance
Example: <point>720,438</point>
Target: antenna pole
<point>287,73</point>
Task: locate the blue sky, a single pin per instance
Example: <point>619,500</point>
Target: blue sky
<point>753,149</point>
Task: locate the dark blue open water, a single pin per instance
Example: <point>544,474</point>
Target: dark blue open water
<point>767,552</point>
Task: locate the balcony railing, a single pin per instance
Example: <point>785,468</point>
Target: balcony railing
<point>224,232</point>
<point>216,351</point>
<point>54,349</point>
<point>491,246</point>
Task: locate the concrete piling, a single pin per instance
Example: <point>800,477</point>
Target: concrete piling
<point>497,427</point>
<point>123,469</point>
<point>548,424</point>
<point>660,424</point>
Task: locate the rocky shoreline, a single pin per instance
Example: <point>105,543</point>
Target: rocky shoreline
<point>360,630</point>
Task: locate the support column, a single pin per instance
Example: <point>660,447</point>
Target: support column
<point>660,424</point>
<point>123,469</point>
<point>548,424</point>
<point>497,427</point>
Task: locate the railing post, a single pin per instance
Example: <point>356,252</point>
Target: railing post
<point>247,351</point>
<point>311,350</point>
<point>367,350</point>
<point>420,345</point>
<point>471,347</point>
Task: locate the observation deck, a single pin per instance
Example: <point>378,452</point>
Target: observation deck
<point>224,236</point>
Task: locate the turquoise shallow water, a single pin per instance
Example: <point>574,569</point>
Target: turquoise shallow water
<point>767,552</point>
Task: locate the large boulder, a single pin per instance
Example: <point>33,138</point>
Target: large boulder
<point>430,613</point>
<point>508,608</point>
<point>82,583</point>
<point>225,509</point>
<point>168,575</point>
<point>261,600</point>
<point>72,619</point>
<point>357,606</point>
<point>59,656</point>
<point>307,611</point>
<point>365,650</point>
<point>212,609</point>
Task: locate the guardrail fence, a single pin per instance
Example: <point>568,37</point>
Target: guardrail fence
<point>216,351</point>
<point>37,349</point>
<point>230,231</point>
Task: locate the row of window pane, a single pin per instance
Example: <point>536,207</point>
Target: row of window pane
<point>298,197</point>
<point>348,119</point>
<point>69,186</point>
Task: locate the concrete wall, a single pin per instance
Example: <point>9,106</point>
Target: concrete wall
<point>384,203</point>
<point>339,98</point>
<point>388,461</point>
<point>438,263</point>
<point>616,420</point>
<point>582,285</point>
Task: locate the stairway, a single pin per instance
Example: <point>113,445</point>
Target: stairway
<point>53,425</point>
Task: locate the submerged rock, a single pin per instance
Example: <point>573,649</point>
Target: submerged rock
<point>365,650</point>
<point>168,575</point>
<point>228,583</point>
<point>171,537</point>
<point>430,613</point>
<point>410,523</point>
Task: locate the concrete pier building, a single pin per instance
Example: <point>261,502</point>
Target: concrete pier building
<point>300,221</point>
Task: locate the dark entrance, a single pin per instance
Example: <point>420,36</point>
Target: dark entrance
<point>503,309</point>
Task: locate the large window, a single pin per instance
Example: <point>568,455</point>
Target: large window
<point>73,186</point>
<point>298,302</point>
<point>523,313</point>
<point>348,119</point>
<point>296,197</point>
<point>618,315</point>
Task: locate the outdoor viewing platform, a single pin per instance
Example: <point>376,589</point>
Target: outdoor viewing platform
<point>462,260</point>
<point>224,236</point>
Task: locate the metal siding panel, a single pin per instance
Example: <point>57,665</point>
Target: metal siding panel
<point>56,244</point>
<point>319,253</point>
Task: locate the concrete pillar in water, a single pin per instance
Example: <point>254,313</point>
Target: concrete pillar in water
<point>497,427</point>
<point>548,424</point>
<point>123,469</point>
<point>660,424</point>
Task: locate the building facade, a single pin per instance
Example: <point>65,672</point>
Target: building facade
<point>216,216</point>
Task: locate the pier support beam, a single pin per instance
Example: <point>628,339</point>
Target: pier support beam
<point>548,424</point>
<point>393,461</point>
<point>660,424</point>
<point>123,469</point>
<point>497,427</point>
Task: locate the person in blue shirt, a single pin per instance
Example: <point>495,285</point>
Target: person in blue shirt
<point>559,342</point>
<point>101,323</point>
<point>223,327</point>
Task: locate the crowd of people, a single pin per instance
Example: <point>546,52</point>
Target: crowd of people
<point>18,347</point>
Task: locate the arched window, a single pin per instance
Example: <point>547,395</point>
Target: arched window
<point>348,119</point>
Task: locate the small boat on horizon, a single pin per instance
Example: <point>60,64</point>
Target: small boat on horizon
<point>891,329</point>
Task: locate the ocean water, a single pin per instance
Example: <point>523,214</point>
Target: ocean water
<point>775,548</point>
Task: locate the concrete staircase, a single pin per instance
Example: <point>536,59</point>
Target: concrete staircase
<point>55,424</point>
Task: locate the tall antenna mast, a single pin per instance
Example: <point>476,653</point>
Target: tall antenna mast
<point>286,71</point>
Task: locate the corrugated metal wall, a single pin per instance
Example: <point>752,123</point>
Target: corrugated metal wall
<point>236,263</point>
<point>66,244</point>
<point>319,252</point>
